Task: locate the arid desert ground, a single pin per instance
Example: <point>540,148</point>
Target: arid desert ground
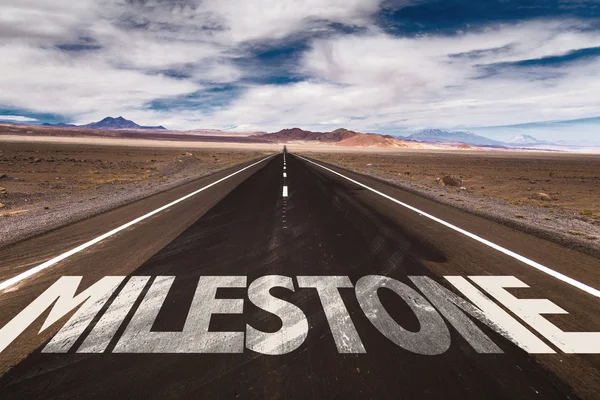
<point>53,180</point>
<point>48,183</point>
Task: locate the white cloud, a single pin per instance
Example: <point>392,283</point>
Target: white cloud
<point>367,81</point>
<point>412,83</point>
<point>265,19</point>
<point>47,80</point>
<point>132,42</point>
<point>45,21</point>
<point>16,118</point>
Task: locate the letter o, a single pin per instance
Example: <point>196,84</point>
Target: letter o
<point>433,338</point>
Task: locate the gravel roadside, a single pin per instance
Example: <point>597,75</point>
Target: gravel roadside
<point>25,216</point>
<point>563,226</point>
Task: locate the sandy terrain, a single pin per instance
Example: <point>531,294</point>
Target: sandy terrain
<point>556,195</point>
<point>44,185</point>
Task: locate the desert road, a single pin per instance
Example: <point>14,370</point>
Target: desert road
<point>288,278</point>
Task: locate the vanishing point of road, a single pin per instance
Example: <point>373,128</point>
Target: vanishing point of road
<point>286,277</point>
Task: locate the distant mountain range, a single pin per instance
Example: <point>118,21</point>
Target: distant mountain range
<point>439,136</point>
<point>292,134</point>
<point>347,136</point>
<point>526,140</point>
<point>344,137</point>
<point>428,138</point>
<point>109,123</point>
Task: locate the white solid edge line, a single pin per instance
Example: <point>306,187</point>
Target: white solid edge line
<point>531,263</point>
<point>49,263</point>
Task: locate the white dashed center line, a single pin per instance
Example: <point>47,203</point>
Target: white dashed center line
<point>284,193</point>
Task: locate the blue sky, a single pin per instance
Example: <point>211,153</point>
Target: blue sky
<point>497,67</point>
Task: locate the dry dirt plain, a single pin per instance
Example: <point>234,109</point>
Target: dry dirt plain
<point>44,185</point>
<point>554,194</point>
<point>56,180</point>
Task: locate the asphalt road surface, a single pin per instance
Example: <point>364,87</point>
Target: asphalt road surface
<point>320,280</point>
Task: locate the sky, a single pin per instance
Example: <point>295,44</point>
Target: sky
<point>495,67</point>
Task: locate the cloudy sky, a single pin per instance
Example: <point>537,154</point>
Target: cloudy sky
<point>497,67</point>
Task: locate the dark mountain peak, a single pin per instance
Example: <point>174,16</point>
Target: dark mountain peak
<point>292,134</point>
<point>119,123</point>
<point>59,125</point>
<point>337,135</point>
<point>111,119</point>
<point>109,123</point>
<point>300,134</point>
<point>340,130</point>
<point>113,123</point>
<point>291,131</point>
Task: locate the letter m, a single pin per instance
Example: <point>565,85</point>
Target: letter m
<point>62,295</point>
